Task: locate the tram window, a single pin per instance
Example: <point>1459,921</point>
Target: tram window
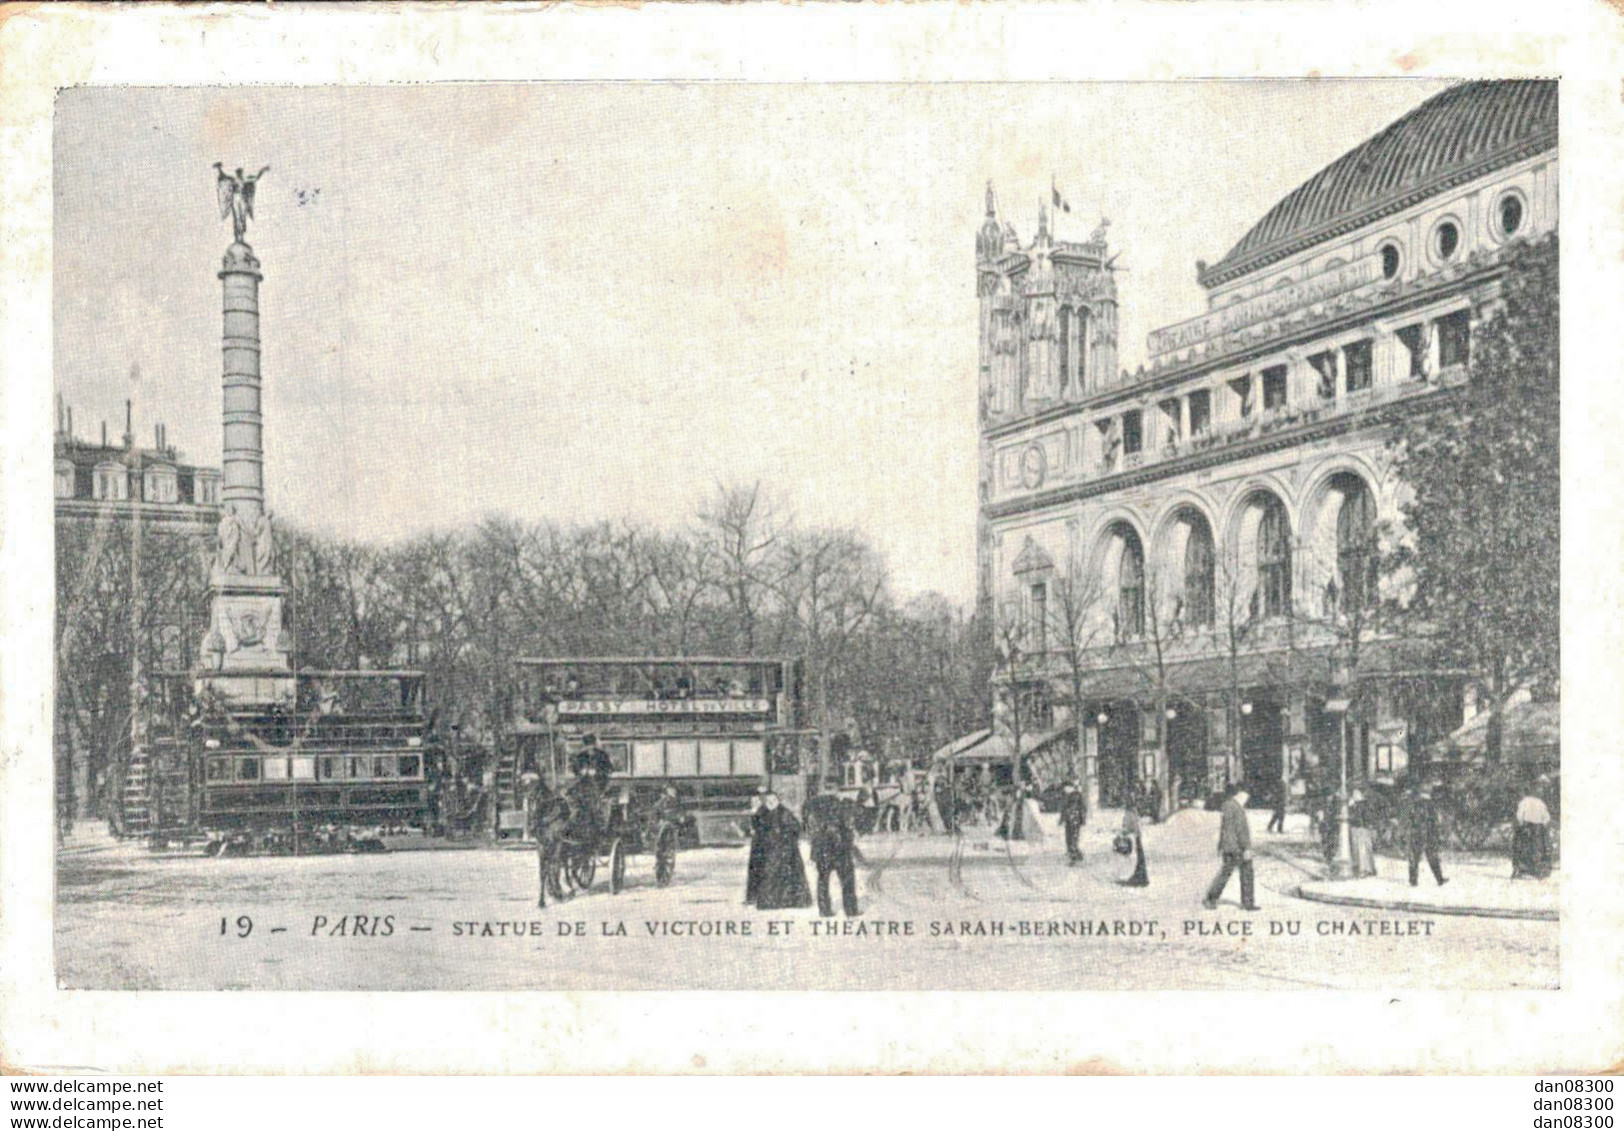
<point>358,768</point>
<point>383,766</point>
<point>749,758</point>
<point>275,769</point>
<point>247,769</point>
<point>681,759</point>
<point>303,767</point>
<point>713,759</point>
<point>648,759</point>
<point>620,756</point>
<point>329,767</point>
<point>217,769</point>
<point>409,766</point>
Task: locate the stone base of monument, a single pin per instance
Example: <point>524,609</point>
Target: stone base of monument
<point>246,657</point>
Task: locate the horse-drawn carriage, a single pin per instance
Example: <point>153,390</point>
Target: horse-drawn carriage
<point>596,823</point>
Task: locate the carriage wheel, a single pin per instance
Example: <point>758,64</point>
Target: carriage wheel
<point>617,866</point>
<point>665,856</point>
<point>582,868</point>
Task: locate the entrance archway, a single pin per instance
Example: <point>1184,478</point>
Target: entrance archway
<point>1263,735</point>
<point>1187,753</point>
<point>1119,754</point>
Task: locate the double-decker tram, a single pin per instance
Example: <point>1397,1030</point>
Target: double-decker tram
<point>329,761</point>
<point>714,729</point>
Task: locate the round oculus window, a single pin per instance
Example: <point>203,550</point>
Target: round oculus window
<point>1447,239</point>
<point>1390,261</point>
<point>1511,215</point>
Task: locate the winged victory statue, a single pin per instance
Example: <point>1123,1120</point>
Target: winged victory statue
<point>236,195</point>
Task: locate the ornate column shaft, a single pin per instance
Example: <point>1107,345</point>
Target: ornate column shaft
<point>242,448</point>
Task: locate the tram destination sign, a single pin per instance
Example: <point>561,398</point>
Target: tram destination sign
<point>664,707</point>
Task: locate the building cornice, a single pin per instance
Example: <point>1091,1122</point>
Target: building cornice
<point>125,510</point>
<point>1237,449</point>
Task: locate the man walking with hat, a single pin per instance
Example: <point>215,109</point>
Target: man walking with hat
<point>1073,816</point>
<point>1235,846</point>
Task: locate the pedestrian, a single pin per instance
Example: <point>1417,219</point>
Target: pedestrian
<point>1073,816</point>
<point>758,848</point>
<point>1235,846</point>
<point>1424,836</point>
<point>1531,841</point>
<point>1277,819</point>
<point>783,872</point>
<point>868,810</point>
<point>834,851</point>
<point>1133,830</point>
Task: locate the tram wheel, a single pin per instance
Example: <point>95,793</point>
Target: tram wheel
<point>665,857</point>
<point>617,867</point>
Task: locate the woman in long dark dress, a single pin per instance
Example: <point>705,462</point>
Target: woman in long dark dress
<point>783,875</point>
<point>1133,829</point>
<point>758,851</point>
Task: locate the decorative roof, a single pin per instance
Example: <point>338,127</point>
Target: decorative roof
<point>1453,137</point>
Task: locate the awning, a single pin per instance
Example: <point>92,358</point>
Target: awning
<point>985,746</point>
<point>1529,732</point>
<point>1301,667</point>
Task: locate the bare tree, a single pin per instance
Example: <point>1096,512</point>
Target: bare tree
<point>1076,629</point>
<point>829,587</point>
<point>1012,633</point>
<point>743,532</point>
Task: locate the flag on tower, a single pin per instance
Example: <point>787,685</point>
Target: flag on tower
<point>1059,201</point>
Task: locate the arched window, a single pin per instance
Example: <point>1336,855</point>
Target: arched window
<point>1131,587</point>
<point>1198,574</point>
<point>1080,351</point>
<point>1355,545</point>
<point>1065,348</point>
<point>1274,559</point>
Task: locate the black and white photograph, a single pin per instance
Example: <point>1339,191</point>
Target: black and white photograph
<point>577,535</point>
<point>465,579</point>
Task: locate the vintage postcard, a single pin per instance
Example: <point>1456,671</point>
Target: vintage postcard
<point>1080,535</point>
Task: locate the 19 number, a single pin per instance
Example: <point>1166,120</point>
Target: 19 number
<point>245,926</point>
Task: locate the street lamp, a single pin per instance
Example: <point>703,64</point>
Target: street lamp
<point>1342,863</point>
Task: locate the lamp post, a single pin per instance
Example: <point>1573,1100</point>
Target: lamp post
<point>1341,867</point>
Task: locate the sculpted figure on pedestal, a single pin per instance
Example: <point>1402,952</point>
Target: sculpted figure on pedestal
<point>264,547</point>
<point>233,555</point>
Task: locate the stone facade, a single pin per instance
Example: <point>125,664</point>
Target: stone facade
<point>1197,537</point>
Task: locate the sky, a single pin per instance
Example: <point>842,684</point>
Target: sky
<point>580,302</point>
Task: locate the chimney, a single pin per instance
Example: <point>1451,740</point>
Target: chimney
<point>158,436</point>
<point>104,433</point>
<point>129,424</point>
<point>70,422</point>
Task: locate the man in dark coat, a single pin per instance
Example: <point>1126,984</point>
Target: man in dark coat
<point>1073,815</point>
<point>1424,836</point>
<point>1235,846</point>
<point>783,872</point>
<point>594,760</point>
<point>829,826</point>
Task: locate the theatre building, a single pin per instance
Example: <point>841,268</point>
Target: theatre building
<point>1193,545</point>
